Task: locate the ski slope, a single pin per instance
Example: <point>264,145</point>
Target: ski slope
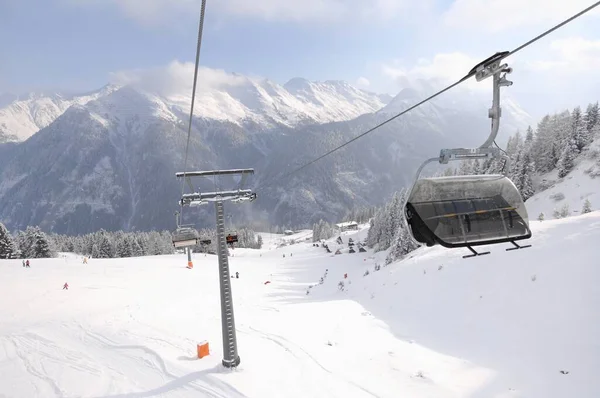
<point>433,325</point>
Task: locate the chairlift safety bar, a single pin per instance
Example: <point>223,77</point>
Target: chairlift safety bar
<point>213,173</point>
<point>195,199</point>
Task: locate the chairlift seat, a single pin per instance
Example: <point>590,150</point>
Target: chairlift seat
<point>231,238</point>
<point>184,237</point>
<point>462,211</point>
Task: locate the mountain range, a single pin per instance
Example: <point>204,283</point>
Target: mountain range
<point>76,163</point>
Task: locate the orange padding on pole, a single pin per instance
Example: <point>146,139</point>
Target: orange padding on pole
<point>203,350</point>
<point>190,265</point>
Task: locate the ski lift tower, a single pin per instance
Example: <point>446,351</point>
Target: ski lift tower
<point>231,358</point>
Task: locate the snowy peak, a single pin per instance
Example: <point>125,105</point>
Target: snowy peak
<point>27,114</point>
<point>237,99</point>
<point>267,103</point>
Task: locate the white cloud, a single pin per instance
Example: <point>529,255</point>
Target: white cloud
<point>177,79</point>
<point>574,56</point>
<point>363,82</point>
<point>442,69</point>
<point>500,15</point>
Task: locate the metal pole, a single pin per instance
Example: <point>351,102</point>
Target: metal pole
<point>231,358</point>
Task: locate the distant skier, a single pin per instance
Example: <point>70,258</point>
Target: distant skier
<point>27,264</point>
<point>66,286</point>
<point>23,263</point>
<point>237,275</point>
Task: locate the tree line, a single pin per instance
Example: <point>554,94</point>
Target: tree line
<point>34,243</point>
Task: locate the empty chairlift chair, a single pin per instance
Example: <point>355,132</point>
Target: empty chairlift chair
<point>467,211</point>
<point>185,237</point>
<point>472,210</point>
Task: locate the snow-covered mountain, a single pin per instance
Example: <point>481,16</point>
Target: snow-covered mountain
<point>110,162</point>
<point>460,102</point>
<point>241,100</point>
<point>21,117</point>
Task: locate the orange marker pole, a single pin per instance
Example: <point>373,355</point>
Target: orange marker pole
<point>189,252</point>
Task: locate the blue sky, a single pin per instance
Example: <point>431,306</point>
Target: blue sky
<point>78,44</point>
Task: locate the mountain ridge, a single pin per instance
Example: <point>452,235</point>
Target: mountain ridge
<point>240,100</point>
<point>110,162</point>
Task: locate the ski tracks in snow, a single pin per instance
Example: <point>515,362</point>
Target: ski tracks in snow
<point>298,352</point>
<point>152,360</point>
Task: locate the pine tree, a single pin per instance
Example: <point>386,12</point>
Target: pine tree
<point>401,246</point>
<point>8,248</point>
<point>587,207</point>
<point>529,135</point>
<point>592,116</point>
<point>123,247</point>
<point>40,245</point>
<point>578,130</point>
<point>525,183</point>
<point>136,249</point>
<point>566,162</point>
<point>259,242</point>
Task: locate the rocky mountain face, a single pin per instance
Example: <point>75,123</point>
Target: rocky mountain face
<point>110,161</point>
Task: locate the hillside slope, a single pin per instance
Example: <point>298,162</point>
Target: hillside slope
<point>581,184</point>
<point>433,325</point>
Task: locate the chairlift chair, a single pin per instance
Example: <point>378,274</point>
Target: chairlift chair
<point>231,239</point>
<point>466,211</point>
<point>185,237</point>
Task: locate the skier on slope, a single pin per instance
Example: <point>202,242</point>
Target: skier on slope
<point>27,264</point>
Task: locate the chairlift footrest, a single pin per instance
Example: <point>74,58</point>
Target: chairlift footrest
<point>475,253</point>
<point>517,246</point>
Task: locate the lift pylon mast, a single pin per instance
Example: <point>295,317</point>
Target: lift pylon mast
<point>231,358</point>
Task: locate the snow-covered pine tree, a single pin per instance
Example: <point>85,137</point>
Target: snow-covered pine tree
<point>587,207</point>
<point>579,132</point>
<point>590,118</point>
<point>259,242</point>
<point>529,135</point>
<point>401,246</point>
<point>8,247</point>
<point>136,249</point>
<point>524,182</point>
<point>514,144</point>
<point>566,162</point>
<point>123,247</point>
<point>40,244</point>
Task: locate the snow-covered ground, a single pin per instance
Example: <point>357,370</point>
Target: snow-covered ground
<point>434,325</point>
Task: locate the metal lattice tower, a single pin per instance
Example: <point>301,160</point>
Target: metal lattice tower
<point>231,358</point>
<point>230,355</point>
